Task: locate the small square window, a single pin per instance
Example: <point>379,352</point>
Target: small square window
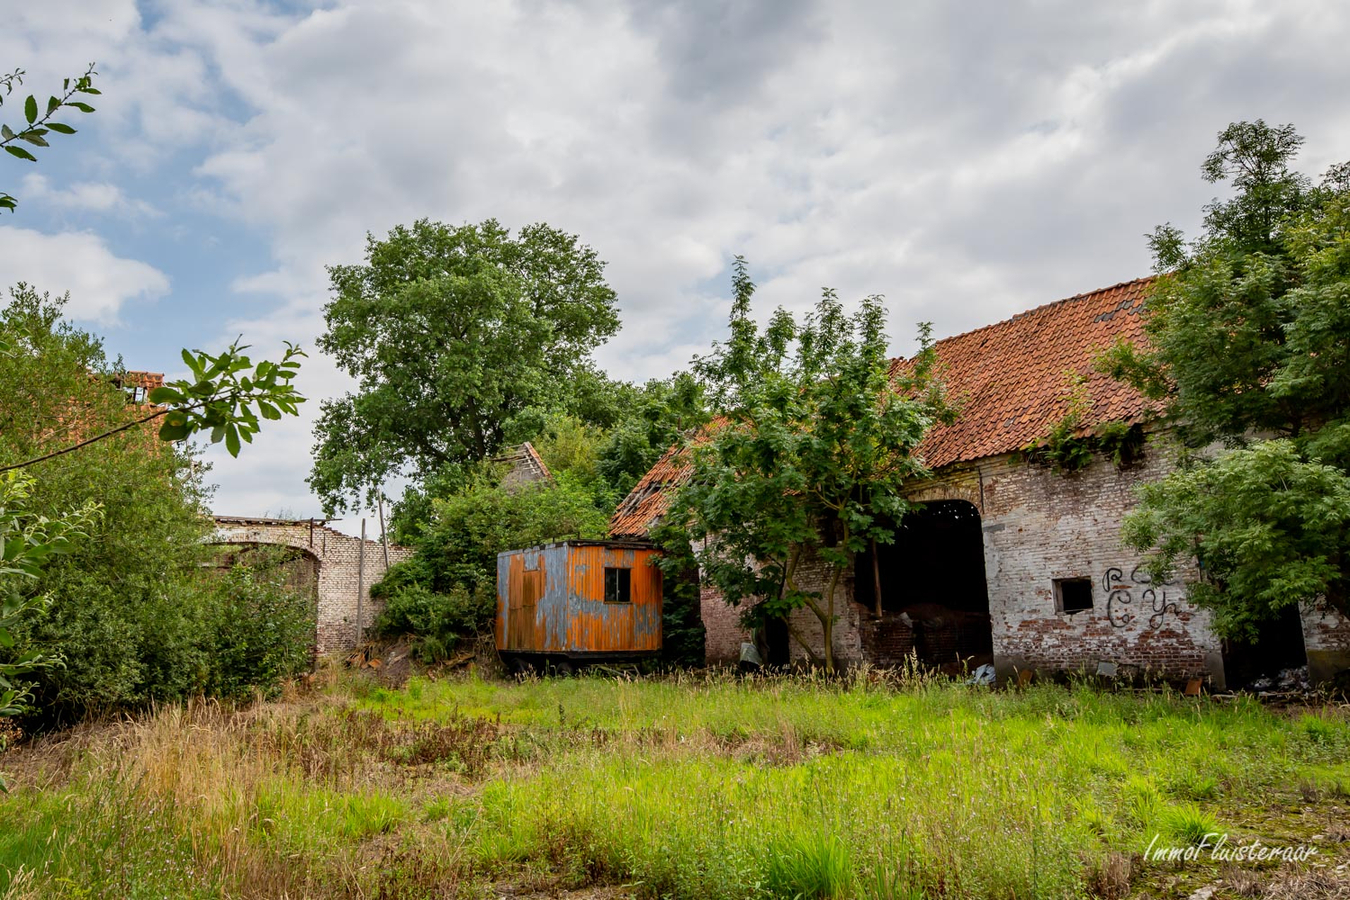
<point>618,585</point>
<point>1073,595</point>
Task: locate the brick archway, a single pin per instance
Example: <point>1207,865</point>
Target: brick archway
<point>343,562</point>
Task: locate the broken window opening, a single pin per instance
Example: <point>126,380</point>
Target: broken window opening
<point>1073,595</point>
<point>618,585</point>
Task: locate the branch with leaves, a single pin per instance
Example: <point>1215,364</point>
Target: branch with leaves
<point>38,125</point>
<point>226,395</point>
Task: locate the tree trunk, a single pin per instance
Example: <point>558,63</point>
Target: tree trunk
<point>876,577</point>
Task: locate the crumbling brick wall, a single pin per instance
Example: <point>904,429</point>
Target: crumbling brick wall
<point>340,569</point>
<point>1038,526</point>
<point>1326,637</point>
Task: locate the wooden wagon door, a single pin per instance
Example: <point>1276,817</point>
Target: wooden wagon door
<point>524,599</point>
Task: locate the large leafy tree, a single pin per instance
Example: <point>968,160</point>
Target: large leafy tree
<point>61,397</point>
<point>456,335</point>
<point>809,460</point>
<point>1249,329</point>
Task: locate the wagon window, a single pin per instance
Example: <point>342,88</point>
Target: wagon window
<point>618,585</point>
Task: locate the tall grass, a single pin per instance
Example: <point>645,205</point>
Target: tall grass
<point>699,787</point>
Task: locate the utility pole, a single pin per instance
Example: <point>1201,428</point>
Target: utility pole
<point>384,535</point>
<point>360,584</point>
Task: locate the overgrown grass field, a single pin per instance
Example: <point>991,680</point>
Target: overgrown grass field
<point>688,787</point>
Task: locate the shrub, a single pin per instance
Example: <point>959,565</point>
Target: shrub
<point>438,622</point>
<point>261,629</point>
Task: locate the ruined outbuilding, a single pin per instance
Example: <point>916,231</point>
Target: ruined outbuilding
<point>340,568</point>
<point>1010,561</point>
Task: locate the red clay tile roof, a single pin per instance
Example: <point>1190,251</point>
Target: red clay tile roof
<point>1010,380</point>
<point>147,380</point>
<point>648,500</point>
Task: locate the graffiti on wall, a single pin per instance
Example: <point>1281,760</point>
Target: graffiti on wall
<point>1121,603</point>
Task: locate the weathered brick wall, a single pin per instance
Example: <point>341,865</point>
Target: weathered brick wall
<point>1326,637</point>
<point>1040,525</point>
<point>340,568</point>
<point>724,634</point>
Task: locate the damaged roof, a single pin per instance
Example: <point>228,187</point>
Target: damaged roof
<point>1011,382</point>
<point>527,467</point>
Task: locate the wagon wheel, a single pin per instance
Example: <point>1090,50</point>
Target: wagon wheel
<point>563,668</point>
<point>522,667</point>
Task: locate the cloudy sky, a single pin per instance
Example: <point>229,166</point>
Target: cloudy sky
<point>967,160</point>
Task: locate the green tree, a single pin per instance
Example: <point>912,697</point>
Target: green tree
<point>1249,340</point>
<point>447,590</point>
<point>657,416</point>
<point>126,608</point>
<point>454,334</point>
<point>816,444</point>
<point>58,402</point>
<point>123,602</point>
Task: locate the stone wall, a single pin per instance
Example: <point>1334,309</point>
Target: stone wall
<point>339,559</point>
<point>1038,526</point>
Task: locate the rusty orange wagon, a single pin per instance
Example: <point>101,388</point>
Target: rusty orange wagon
<point>564,605</point>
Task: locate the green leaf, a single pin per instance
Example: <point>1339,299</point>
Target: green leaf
<point>34,137</point>
<point>6,132</point>
<point>30,109</point>
<point>82,107</point>
<point>172,432</point>
<point>165,395</point>
<point>20,153</point>
<point>60,128</point>
<point>53,104</point>
<point>232,440</point>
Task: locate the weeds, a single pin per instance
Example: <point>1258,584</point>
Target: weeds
<point>877,787</point>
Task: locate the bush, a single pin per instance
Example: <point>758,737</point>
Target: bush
<point>447,591</point>
<point>133,615</point>
<point>261,629</point>
<point>438,622</point>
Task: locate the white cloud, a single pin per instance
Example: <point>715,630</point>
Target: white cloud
<point>80,262</point>
<point>91,196</point>
<point>968,161</point>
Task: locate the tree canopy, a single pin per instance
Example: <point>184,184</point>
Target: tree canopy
<point>1249,327</point>
<point>809,461</point>
<point>458,337</point>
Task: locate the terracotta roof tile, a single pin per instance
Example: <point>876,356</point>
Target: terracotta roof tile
<point>1010,380</point>
<point>650,498</point>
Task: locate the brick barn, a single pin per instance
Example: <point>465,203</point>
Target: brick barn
<point>1010,561</point>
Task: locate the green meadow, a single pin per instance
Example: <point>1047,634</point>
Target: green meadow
<point>692,786</point>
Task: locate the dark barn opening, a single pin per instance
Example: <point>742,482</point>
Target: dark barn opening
<point>934,599</point>
<point>1278,647</point>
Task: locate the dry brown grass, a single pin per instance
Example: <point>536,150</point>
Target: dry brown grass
<point>236,784</point>
<point>1316,885</point>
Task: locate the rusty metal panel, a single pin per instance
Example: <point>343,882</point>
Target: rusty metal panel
<point>552,599</point>
<point>613,627</point>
